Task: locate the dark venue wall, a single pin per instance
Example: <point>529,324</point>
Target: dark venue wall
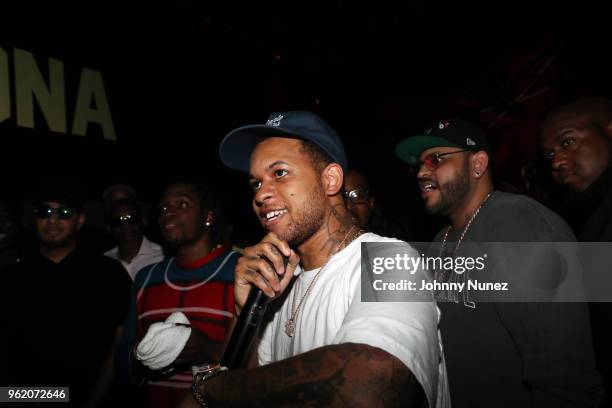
<point>178,75</point>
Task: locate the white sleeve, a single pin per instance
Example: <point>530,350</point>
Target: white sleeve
<point>407,330</point>
<point>264,348</point>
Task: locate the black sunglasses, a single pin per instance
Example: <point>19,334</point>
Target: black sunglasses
<point>127,219</point>
<point>45,211</point>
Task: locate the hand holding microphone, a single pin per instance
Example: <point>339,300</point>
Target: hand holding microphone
<point>269,267</point>
<point>262,266</point>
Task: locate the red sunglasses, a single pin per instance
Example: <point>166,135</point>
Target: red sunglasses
<point>433,160</point>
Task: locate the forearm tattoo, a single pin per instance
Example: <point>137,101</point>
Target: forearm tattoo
<point>348,374</point>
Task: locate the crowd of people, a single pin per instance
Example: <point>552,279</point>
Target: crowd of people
<point>145,323</point>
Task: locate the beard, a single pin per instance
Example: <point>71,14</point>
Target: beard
<point>308,220</point>
<point>53,244</point>
<point>452,193</point>
<point>591,196</point>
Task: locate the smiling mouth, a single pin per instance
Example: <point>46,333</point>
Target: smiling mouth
<point>427,187</point>
<point>272,216</point>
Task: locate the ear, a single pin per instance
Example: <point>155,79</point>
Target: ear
<point>608,129</point>
<point>479,164</point>
<point>210,219</point>
<point>332,178</point>
<point>80,221</point>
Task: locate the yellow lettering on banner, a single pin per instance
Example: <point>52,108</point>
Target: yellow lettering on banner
<point>91,89</point>
<point>5,91</point>
<point>29,84</point>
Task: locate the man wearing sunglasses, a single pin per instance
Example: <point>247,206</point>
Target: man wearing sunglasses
<point>56,227</point>
<point>502,354</point>
<point>63,307</point>
<point>126,223</point>
<point>361,202</point>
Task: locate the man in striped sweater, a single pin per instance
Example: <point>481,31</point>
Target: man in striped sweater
<point>182,307</point>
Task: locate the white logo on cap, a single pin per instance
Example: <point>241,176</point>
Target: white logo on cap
<point>275,121</point>
<point>469,142</point>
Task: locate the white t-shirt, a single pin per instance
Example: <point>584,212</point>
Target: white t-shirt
<point>149,253</point>
<point>333,313</point>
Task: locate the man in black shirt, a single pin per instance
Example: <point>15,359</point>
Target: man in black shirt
<point>62,308</point>
<point>576,138</point>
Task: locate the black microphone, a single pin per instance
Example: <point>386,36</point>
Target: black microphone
<point>245,330</point>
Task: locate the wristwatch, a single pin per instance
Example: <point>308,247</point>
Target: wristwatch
<point>202,375</point>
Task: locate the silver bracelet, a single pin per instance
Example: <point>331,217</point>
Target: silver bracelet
<point>200,377</point>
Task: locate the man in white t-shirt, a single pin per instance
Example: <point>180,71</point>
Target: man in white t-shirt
<point>126,223</point>
<point>323,345</point>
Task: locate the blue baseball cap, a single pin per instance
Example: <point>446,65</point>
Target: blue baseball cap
<point>236,148</point>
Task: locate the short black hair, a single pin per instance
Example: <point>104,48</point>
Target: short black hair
<point>205,198</point>
<point>318,157</point>
<point>599,109</point>
<point>207,202</point>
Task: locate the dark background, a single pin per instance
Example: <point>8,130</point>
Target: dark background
<point>180,74</point>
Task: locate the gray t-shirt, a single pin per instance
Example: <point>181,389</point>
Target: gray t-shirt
<point>517,354</point>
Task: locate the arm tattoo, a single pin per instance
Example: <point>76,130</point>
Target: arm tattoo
<point>354,375</point>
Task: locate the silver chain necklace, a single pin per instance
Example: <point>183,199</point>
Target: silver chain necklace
<point>290,324</point>
<point>465,230</point>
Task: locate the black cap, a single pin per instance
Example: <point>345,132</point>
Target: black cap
<point>66,192</point>
<point>451,132</point>
<point>131,192</point>
<point>236,148</point>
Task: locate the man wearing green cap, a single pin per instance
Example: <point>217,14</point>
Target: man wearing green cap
<point>501,354</point>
